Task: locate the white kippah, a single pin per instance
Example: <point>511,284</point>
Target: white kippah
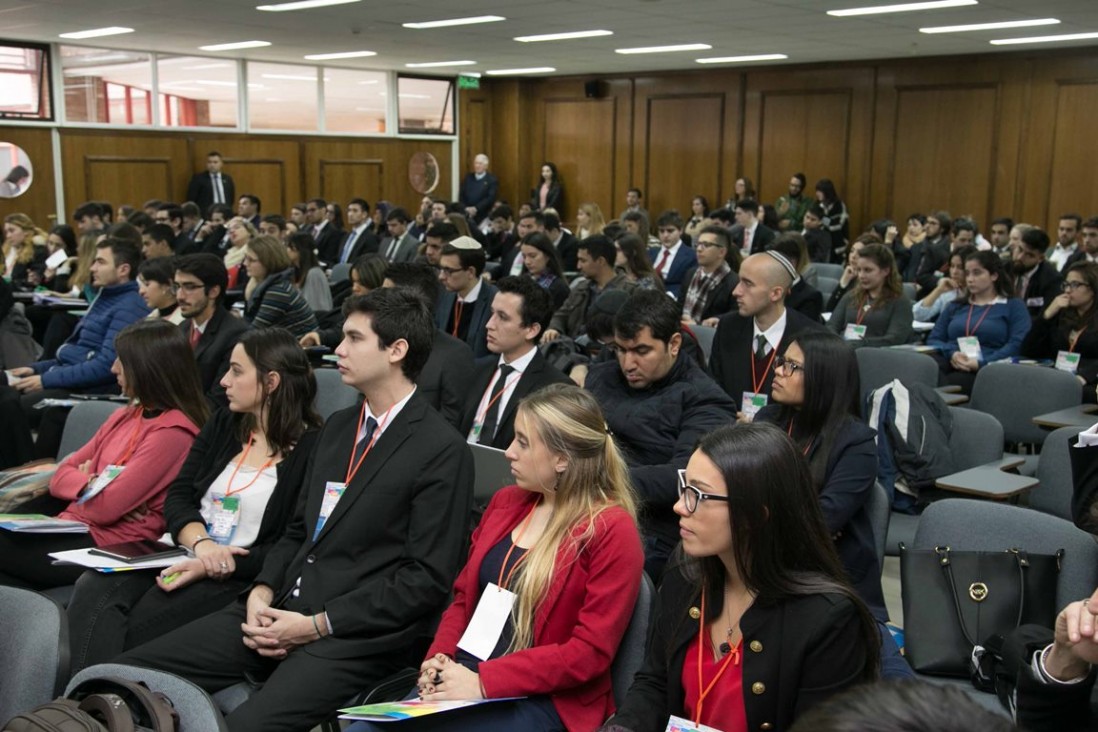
<point>465,242</point>
<point>785,263</point>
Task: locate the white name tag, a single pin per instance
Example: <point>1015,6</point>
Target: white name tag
<point>678,724</point>
<point>489,619</point>
<point>226,515</point>
<point>752,403</point>
<point>101,482</point>
<point>970,346</point>
<point>1035,302</point>
<point>333,491</point>
<point>1066,361</point>
<point>854,332</point>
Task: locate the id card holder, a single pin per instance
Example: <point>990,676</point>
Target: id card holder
<point>475,432</point>
<point>333,491</point>
<point>854,332</point>
<point>489,619</point>
<point>226,516</point>
<point>101,482</point>
<point>752,403</point>
<point>1035,302</point>
<point>678,724</point>
<point>970,346</point>
<point>1067,361</point>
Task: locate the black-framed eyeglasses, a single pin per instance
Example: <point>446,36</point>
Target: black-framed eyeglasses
<point>786,367</point>
<point>1072,285</point>
<point>187,286</point>
<point>450,271</point>
<point>692,497</point>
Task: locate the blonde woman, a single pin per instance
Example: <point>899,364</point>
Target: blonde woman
<point>564,541</point>
<point>241,232</point>
<point>24,250</point>
<point>589,220</point>
<point>271,298</point>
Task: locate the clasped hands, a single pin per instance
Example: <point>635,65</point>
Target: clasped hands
<point>29,382</point>
<point>273,633</point>
<point>443,679</point>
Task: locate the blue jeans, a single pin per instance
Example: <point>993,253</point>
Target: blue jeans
<point>535,714</point>
<point>893,665</point>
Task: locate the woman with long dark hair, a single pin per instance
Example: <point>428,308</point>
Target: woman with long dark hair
<point>756,621</point>
<point>542,263</point>
<point>699,212</point>
<point>836,220</point>
<point>309,278</point>
<point>876,312</point>
<point>632,261</point>
<point>228,505</point>
<point>1067,331</point>
<point>549,191</point>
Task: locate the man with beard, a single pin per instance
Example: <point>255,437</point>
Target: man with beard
<point>1037,283</point>
<point>791,208</point>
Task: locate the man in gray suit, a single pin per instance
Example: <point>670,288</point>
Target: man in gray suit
<point>402,246</point>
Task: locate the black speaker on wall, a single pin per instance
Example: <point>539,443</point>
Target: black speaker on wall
<point>594,89</point>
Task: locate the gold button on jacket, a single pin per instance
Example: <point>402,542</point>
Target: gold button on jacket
<point>756,646</point>
<point>758,687</point>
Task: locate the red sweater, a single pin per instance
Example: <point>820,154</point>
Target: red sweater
<point>578,626</point>
<point>162,444</point>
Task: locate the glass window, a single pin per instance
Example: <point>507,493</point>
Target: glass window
<point>197,92</point>
<point>425,105</point>
<point>25,82</point>
<point>107,86</point>
<point>282,97</point>
<point>354,101</point>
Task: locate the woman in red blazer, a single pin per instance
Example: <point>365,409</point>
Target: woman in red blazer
<point>564,540</point>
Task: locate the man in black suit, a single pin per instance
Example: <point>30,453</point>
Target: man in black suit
<point>754,236</point>
<point>520,313</point>
<point>566,244</point>
<point>199,282</point>
<point>369,556</point>
<point>325,235</point>
<point>478,190</point>
<point>213,186</point>
<point>464,309</point>
<point>707,289</point>
<point>1036,282</point>
<point>250,208</point>
<point>359,240</point>
<point>747,341</point>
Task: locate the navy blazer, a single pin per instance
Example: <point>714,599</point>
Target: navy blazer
<point>480,194</point>
<point>684,260</point>
<point>477,337</point>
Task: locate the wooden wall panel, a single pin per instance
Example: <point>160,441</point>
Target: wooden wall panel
<point>581,145</point>
<point>267,167</point>
<point>683,149</point>
<point>127,178</point>
<point>342,180</point>
<point>791,126</point>
<point>1073,185</point>
<point>38,201</point>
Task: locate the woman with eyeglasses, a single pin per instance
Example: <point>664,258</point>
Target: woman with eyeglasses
<point>1067,331</point>
<point>559,557</point>
<point>271,298</point>
<point>755,621</point>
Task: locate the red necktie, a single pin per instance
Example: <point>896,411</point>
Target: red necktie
<point>196,334</point>
<point>663,260</point>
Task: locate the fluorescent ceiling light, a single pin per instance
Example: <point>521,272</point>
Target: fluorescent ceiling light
<point>302,5</point>
<point>742,59</point>
<point>345,54</point>
<point>474,74</point>
<point>515,72</point>
<point>97,33</point>
<point>289,77</point>
<point>901,8</point>
<point>219,83</point>
<point>235,46</point>
<point>666,49</point>
<point>564,36</point>
<point>414,96</point>
<point>1045,39</point>
<point>990,26</point>
<point>439,64</point>
<point>370,81</point>
<point>455,21</point>
<point>202,67</point>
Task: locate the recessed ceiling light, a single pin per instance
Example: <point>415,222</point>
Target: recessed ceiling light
<point>97,32</point>
<point>302,5</point>
<point>990,26</point>
<point>235,46</point>
<point>742,59</point>
<point>515,72</point>
<point>439,64</point>
<point>666,49</point>
<point>345,54</point>
<point>455,21</point>
<point>564,36</point>
<point>1045,39</point>
<point>901,8</point>
<point>368,81</point>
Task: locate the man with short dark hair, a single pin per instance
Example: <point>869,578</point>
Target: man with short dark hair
<point>213,186</point>
<point>1037,283</point>
<point>595,261</point>
<point>464,309</point>
<point>707,288</point>
<point>999,237</point>
<point>755,236</point>
<point>478,190</point>
<point>1088,252</point>
<point>324,234</point>
<point>435,238</point>
<point>213,237</point>
<point>936,247</point>
<point>658,403</point>
<point>564,242</point>
<point>510,263</point>
<point>170,214</point>
<point>192,225</point>
<point>1067,240</point>
<point>249,208</point>
<point>402,246</point>
<point>88,217</point>
<point>520,313</point>
<point>962,234</point>
<point>273,225</point>
<point>158,241</point>
<point>500,238</point>
<point>791,208</point>
<point>815,236</point>
<point>634,203</point>
<point>672,258</point>
<point>359,239</point>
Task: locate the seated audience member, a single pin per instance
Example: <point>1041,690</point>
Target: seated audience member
<point>672,258</point>
<point>908,248</point>
<point>1036,282</point>
<point>367,273</point>
<point>82,364</point>
<point>999,236</point>
<point>272,299</point>
<point>308,276</point>
<point>370,554</point>
<point>88,217</point>
<point>400,246</point>
<point>707,289</point>
<point>564,541</point>
<point>1067,332</point>
<point>273,225</point>
<point>510,260</point>
<point>658,401</point>
<point>213,235</point>
<point>17,345</point>
<point>542,264</point>
<point>803,295</point>
<point>435,238</point>
<point>876,312</point>
<point>1067,240</point>
<point>158,242</point>
<point>816,238</point>
<point>501,238</point>
<point>596,263</point>
<point>924,267</point>
<point>590,221</point>
<point>564,242</point>
<point>849,278</point>
<point>632,261</point>
<point>753,236</point>
<point>748,340</point>
<point>464,308</point>
<point>228,505</point>
<point>359,239</point>
<point>24,251</point>
<point>791,207</point>
<point>61,238</point>
<point>239,233</point>
<point>154,284</point>
<point>985,325</point>
<point>1088,251</point>
<point>520,312</point>
<point>116,483</point>
<point>946,291</point>
<point>758,600</point>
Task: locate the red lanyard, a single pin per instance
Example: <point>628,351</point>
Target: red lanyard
<point>733,655</point>
<point>503,582</point>
<point>861,314</point>
<point>756,384</point>
<point>229,489</point>
<point>459,305</point>
<point>808,445</point>
<point>351,471</point>
<point>506,385</point>
<point>133,438</point>
<point>968,321</point>
<point>1071,346</point>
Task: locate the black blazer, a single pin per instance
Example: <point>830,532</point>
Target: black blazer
<point>328,243</point>
<point>733,346</point>
<point>762,237</point>
<point>380,589</point>
<point>552,200</point>
<point>445,378</point>
<point>1044,287</point>
<point>477,336</point>
<point>568,250</point>
<point>540,373</point>
<point>480,194</point>
<point>720,299</point>
<point>806,300</point>
<point>365,244</point>
<point>214,348</point>
<point>201,191</point>
<point>797,652</point>
<point>215,446</point>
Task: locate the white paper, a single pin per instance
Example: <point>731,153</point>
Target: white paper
<point>678,724</point>
<point>56,259</point>
<point>84,558</point>
<point>488,621</point>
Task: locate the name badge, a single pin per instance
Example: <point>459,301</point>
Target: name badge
<point>1035,302</point>
<point>489,619</point>
<point>224,518</point>
<point>333,491</point>
<point>1066,361</point>
<point>101,481</point>
<point>854,332</point>
<point>752,403</point>
<point>970,346</point>
<point>678,724</point>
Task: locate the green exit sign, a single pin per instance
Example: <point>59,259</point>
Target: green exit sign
<point>468,82</point>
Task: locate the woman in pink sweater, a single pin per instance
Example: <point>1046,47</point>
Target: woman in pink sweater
<point>117,482</point>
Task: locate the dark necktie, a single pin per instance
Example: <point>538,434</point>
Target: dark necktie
<point>760,348</point>
<point>491,416</point>
<point>361,445</point>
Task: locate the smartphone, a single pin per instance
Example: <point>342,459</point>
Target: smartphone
<point>131,552</point>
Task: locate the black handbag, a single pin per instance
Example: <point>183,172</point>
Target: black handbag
<point>953,600</point>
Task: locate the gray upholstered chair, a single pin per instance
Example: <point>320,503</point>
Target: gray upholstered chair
<point>34,646</point>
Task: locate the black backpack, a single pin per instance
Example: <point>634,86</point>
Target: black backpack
<point>107,704</point>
